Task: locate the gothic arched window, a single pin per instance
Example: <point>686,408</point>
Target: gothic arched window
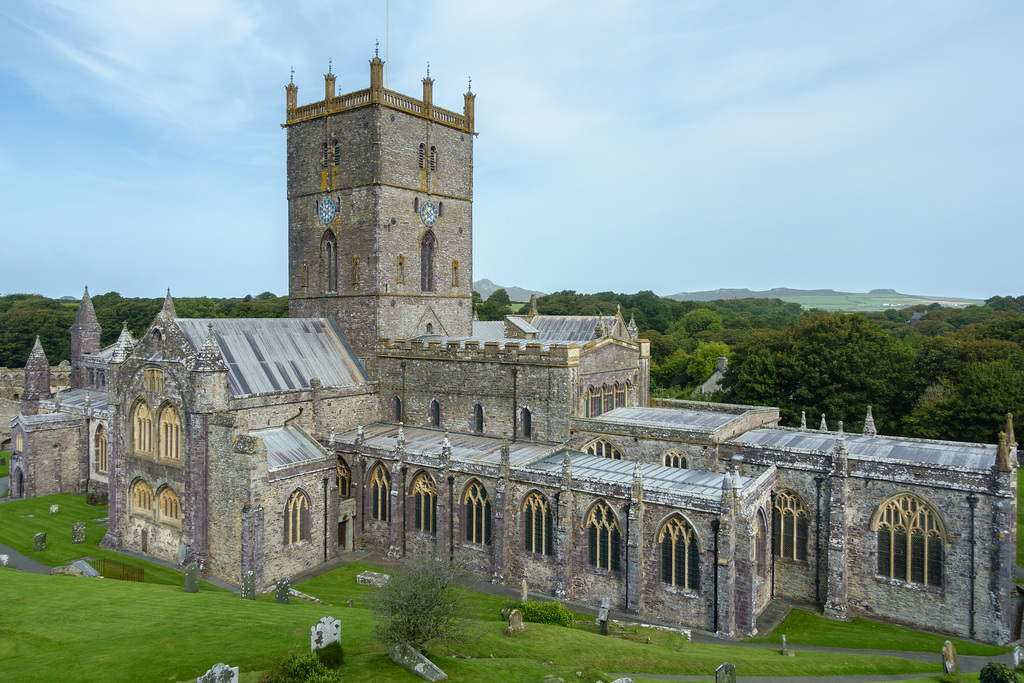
<point>142,428</point>
<point>674,459</point>
<point>602,448</point>
<point>422,153</point>
<point>344,479</point>
<point>170,434</point>
<point>296,518</point>
<point>433,158</point>
<point>789,527</point>
<point>141,498</point>
<point>680,554</point>
<point>603,538</point>
<point>478,418</point>
<point>330,262</point>
<point>396,408</point>
<point>101,449</point>
<point>169,506</point>
<point>435,414</point>
<point>910,539</point>
<point>427,248</point>
<point>527,422</point>
<point>424,493</point>
<point>538,525</point>
<point>380,490</point>
<point>478,514</point>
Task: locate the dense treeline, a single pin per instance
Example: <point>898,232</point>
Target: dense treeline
<point>23,316</point>
<point>951,373</point>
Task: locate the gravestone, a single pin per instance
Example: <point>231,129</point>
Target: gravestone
<point>725,673</point>
<point>602,615</point>
<point>182,553</point>
<point>283,587</point>
<point>515,623</point>
<point>786,652</point>
<point>948,657</point>
<point>87,569</point>
<point>413,661</point>
<point>524,590</point>
<point>627,679</point>
<point>4,560</point>
<point>220,673</point>
<point>248,586</point>
<point>324,632</point>
<point>350,603</point>
<point>1018,652</point>
<point>375,579</point>
<point>40,541</point>
<point>78,532</point>
<point>192,578</point>
<point>54,509</point>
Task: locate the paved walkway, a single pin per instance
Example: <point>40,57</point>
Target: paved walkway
<point>23,562</point>
<point>4,483</point>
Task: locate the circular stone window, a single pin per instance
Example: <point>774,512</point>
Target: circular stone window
<point>392,302</point>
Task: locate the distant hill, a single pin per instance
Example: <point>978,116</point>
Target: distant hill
<point>486,288</point>
<point>829,299</point>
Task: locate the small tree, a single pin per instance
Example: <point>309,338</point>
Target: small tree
<point>423,602</point>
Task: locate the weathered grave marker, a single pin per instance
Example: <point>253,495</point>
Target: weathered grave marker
<point>220,673</point>
<point>725,673</point>
<point>192,578</point>
<point>248,586</point>
<point>413,661</point>
<point>324,632</point>
<point>948,657</point>
<point>4,560</point>
<point>602,615</point>
<point>524,590</point>
<point>54,509</point>
<point>284,585</point>
<point>350,603</point>
<point>40,541</point>
<point>375,579</point>
<point>78,532</point>
<point>515,623</point>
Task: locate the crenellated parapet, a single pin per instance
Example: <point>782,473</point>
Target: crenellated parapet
<point>531,353</point>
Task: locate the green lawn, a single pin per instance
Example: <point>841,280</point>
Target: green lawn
<point>806,628</point>
<point>92,630</point>
<point>18,531</point>
<point>5,469</point>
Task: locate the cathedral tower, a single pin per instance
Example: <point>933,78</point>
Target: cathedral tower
<point>85,339</point>
<point>380,213</point>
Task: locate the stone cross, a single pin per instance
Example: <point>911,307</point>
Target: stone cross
<point>325,632</point>
<point>725,673</point>
<point>192,578</point>
<point>249,586</point>
<point>284,586</point>
<point>523,591</point>
<point>515,623</point>
<point>220,673</point>
<point>948,657</point>
<point>54,509</point>
<point>78,532</point>
<point>40,541</point>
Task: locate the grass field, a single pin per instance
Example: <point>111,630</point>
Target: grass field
<point>92,630</point>
<point>18,530</point>
<point>805,628</point>
<point>875,302</point>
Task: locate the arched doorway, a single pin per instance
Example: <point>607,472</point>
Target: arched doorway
<point>18,484</point>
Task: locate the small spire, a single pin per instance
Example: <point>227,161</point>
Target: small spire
<point>803,419</point>
<point>376,49</point>
<point>291,79</point>
<point>470,84</point>
<point>209,358</point>
<point>869,424</point>
<point>124,345</point>
<point>823,427</point>
<point>37,354</point>
<point>86,315</point>
<point>1011,438</point>
<point>428,69</point>
<point>618,309</point>
<point>329,65</point>
<point>168,306</point>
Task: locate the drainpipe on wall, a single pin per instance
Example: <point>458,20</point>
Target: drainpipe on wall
<point>818,481</point>
<point>325,518</point>
<point>404,516</point>
<point>972,502</point>
<point>773,545</point>
<point>451,517</point>
<point>626,510</point>
<point>515,404</point>
<point>715,526</point>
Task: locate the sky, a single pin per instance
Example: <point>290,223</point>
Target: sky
<point>624,146</point>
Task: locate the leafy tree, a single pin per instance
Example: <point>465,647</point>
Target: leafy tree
<point>421,603</point>
<point>702,320</point>
<point>704,359</point>
<point>499,296</point>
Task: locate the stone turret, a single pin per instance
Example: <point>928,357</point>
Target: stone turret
<point>211,385</point>
<point>85,339</point>
<point>168,308</point>
<point>824,425</point>
<point>124,345</point>
<point>37,380</point>
<point>869,424</point>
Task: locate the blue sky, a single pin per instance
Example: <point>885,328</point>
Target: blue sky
<point>671,146</point>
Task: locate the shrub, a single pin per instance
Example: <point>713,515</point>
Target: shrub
<point>997,672</point>
<point>331,656</point>
<point>554,613</point>
<point>300,667</point>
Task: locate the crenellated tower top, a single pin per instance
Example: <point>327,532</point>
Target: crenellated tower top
<point>377,94</point>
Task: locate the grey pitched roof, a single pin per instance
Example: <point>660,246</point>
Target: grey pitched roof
<point>489,329</point>
<point>577,329</point>
<point>473,447</point>
<point>521,324</point>
<point>673,418</point>
<point>76,399</point>
<point>941,453</point>
<point>287,446</point>
<point>266,355</point>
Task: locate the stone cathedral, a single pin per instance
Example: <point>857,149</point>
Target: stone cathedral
<point>380,415</point>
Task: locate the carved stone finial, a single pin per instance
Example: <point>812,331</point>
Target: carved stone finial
<point>869,424</point>
<point>376,48</point>
<point>638,483</point>
<point>1003,454</point>
<point>824,426</point>
<point>330,439</point>
<point>329,62</point>
<point>401,435</point>
<point>841,430</point>
<point>291,79</point>
<point>1011,438</point>
<point>470,89</point>
<point>803,419</point>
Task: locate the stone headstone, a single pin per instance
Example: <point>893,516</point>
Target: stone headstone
<point>283,587</point>
<point>248,586</point>
<point>375,579</point>
<point>515,623</point>
<point>603,616</point>
<point>324,632</point>
<point>523,591</point>
<point>1018,652</point>
<point>725,673</point>
<point>78,532</point>
<point>54,509</point>
<point>350,603</point>
<point>948,657</point>
<point>409,658</point>
<point>40,541</point>
<point>786,652</point>
<point>623,680</point>
<point>220,673</point>
<point>4,560</point>
<point>192,578</point>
